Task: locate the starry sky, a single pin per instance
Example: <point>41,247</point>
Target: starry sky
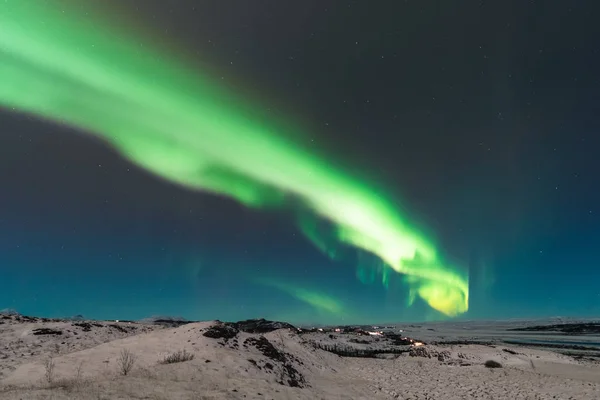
<point>476,121</point>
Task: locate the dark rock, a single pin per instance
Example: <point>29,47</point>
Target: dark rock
<point>118,327</point>
<point>420,351</point>
<point>259,325</point>
<point>85,326</point>
<point>266,348</point>
<point>46,331</point>
<point>221,331</point>
<point>443,355</point>
<point>293,377</point>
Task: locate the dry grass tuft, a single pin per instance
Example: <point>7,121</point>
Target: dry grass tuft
<point>49,370</point>
<point>177,357</point>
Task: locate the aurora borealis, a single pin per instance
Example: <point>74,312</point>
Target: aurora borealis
<point>187,138</point>
<point>163,114</point>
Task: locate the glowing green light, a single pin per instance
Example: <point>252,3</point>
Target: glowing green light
<point>178,125</point>
<point>320,301</point>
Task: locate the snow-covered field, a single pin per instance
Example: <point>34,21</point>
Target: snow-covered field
<point>61,359</point>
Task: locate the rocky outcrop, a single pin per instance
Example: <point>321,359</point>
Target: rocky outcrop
<point>260,325</point>
<point>443,355</point>
<point>420,351</point>
<point>221,331</point>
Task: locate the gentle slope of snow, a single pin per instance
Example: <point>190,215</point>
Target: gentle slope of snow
<point>229,363</point>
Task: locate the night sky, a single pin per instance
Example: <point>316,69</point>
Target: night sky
<point>477,120</point>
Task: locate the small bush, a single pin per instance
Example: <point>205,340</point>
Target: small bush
<point>492,364</point>
<point>125,361</point>
<point>177,357</point>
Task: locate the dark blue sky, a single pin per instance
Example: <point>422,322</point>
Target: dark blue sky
<point>481,119</point>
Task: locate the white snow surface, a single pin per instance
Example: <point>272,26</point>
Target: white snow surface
<point>86,363</point>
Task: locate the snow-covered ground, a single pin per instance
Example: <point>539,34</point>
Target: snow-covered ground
<point>63,359</point>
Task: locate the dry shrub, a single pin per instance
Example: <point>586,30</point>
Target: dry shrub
<point>126,361</point>
<point>177,357</point>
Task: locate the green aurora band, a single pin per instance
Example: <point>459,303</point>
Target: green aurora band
<point>179,125</point>
<point>320,301</point>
